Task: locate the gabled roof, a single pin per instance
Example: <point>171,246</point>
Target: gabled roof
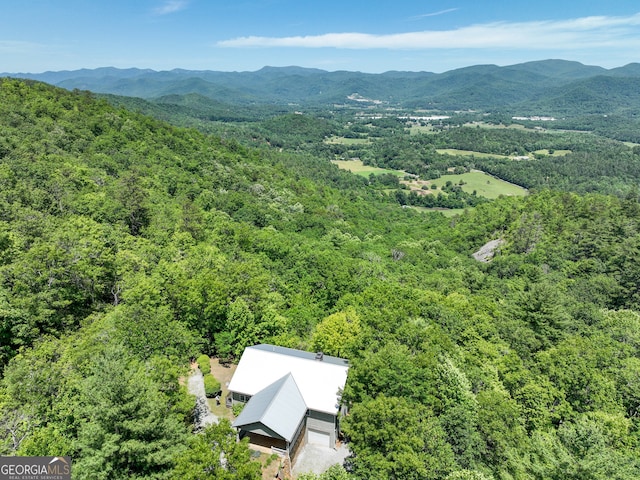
<point>318,381</point>
<point>279,407</point>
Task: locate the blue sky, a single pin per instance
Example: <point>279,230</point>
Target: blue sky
<point>363,35</point>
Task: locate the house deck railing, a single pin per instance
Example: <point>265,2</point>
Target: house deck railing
<point>279,451</point>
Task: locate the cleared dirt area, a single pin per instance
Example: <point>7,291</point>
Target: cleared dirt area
<point>271,464</point>
<point>223,374</point>
<point>418,186</point>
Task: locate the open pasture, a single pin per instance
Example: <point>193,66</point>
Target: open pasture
<point>484,185</point>
<point>357,167</point>
<point>347,141</point>
<point>447,212</point>
<point>553,153</point>
<point>467,153</point>
<point>417,129</point>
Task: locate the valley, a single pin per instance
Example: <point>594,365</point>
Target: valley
<point>149,219</point>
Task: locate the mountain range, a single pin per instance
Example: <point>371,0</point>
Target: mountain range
<point>556,87</point>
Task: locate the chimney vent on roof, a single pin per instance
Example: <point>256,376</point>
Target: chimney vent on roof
<point>319,356</point>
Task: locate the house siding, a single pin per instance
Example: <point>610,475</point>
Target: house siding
<point>266,442</point>
<point>239,398</point>
<point>260,429</point>
<point>322,422</point>
<point>298,440</point>
<point>263,436</point>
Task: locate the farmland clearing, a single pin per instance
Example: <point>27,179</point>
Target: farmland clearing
<point>553,153</point>
<point>347,141</point>
<point>358,168</point>
<point>482,183</point>
<point>467,153</point>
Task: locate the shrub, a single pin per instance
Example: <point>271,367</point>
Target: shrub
<point>204,363</point>
<point>211,386</point>
<point>271,458</point>
<point>237,409</point>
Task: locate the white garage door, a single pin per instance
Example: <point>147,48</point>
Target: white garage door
<point>318,438</point>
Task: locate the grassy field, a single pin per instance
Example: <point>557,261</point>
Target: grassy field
<point>484,185</point>
<point>356,166</point>
<point>447,212</point>
<point>556,153</point>
<point>416,129</point>
<point>515,126</point>
<point>347,141</point>
<point>467,153</point>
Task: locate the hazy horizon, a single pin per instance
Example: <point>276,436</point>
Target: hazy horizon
<point>306,68</point>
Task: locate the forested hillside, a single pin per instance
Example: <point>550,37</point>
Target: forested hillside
<point>129,246</point>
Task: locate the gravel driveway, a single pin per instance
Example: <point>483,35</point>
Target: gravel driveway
<point>317,458</point>
<point>203,415</point>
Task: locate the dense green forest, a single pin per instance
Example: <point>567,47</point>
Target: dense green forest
<point>128,246</point>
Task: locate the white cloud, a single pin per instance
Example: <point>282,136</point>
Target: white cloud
<point>171,6</point>
<point>434,14</point>
<point>579,33</point>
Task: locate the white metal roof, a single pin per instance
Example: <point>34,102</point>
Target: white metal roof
<point>280,407</point>
<point>318,380</point>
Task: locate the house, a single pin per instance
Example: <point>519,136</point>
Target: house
<point>291,397</point>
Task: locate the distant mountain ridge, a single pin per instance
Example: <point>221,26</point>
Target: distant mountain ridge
<point>527,86</point>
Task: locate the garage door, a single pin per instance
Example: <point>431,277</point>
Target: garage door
<point>318,438</point>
